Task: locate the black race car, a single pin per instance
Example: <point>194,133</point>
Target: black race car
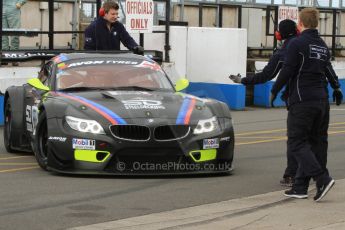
<point>116,114</point>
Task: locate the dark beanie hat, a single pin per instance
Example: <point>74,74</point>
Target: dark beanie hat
<point>287,28</point>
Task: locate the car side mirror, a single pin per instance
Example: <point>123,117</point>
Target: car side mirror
<point>181,84</point>
<point>35,82</point>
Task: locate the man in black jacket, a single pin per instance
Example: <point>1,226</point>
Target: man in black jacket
<point>106,33</point>
<point>306,70</point>
<point>287,30</point>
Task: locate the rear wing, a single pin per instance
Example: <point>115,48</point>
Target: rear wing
<point>43,55</point>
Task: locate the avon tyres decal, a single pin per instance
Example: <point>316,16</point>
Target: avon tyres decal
<point>112,117</point>
<point>183,117</point>
<point>101,62</point>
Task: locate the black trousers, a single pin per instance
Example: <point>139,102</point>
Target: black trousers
<point>308,140</point>
<point>292,165</point>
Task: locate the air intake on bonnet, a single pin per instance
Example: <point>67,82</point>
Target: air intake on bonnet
<point>171,132</point>
<point>131,132</point>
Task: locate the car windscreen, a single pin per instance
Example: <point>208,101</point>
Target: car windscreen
<point>111,73</point>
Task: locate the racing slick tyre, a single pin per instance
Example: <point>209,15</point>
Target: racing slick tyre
<point>41,141</point>
<point>8,127</point>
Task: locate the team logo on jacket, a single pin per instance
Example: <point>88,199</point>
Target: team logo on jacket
<point>318,52</point>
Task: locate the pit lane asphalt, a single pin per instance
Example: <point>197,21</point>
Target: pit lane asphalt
<point>33,199</point>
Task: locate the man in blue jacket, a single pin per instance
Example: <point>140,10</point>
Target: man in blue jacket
<point>307,71</point>
<point>287,30</point>
<point>106,33</point>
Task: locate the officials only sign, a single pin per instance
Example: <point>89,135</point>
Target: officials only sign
<point>287,12</point>
<point>139,16</point>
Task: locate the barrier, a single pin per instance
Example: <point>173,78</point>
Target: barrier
<point>262,95</point>
<point>262,91</point>
<point>16,76</point>
<point>213,54</point>
<point>330,90</point>
<point>232,94</point>
<point>2,110</point>
<point>13,76</point>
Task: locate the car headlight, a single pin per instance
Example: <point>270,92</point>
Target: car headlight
<point>207,125</point>
<point>85,126</point>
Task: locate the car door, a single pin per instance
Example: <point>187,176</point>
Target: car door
<point>34,97</point>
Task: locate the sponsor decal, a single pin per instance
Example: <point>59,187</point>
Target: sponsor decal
<point>150,65</point>
<point>85,144</point>
<point>318,52</point>
<point>211,143</point>
<point>25,55</point>
<point>60,58</point>
<point>143,104</point>
<point>60,139</point>
<point>101,62</point>
<point>112,117</point>
<point>225,139</point>
<point>62,66</point>
<point>183,117</point>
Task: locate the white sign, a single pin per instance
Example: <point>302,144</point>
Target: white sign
<point>139,16</point>
<point>287,12</point>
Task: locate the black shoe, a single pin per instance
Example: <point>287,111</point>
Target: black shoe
<point>4,63</point>
<point>293,193</point>
<point>323,189</point>
<point>287,181</point>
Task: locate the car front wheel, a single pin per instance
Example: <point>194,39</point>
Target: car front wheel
<point>41,141</point>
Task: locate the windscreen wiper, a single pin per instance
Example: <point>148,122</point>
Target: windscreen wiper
<point>80,88</point>
<point>132,87</point>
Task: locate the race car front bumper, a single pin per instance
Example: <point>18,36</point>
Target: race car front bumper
<point>106,154</point>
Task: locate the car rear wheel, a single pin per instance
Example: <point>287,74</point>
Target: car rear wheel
<point>41,141</point>
<point>8,127</point>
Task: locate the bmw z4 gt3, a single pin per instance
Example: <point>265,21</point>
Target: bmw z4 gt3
<point>116,114</point>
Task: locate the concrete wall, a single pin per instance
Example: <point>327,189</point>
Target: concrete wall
<point>34,18</point>
<point>252,19</point>
<point>16,76</point>
<point>191,15</point>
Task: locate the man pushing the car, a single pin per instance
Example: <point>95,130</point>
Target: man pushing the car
<point>106,32</point>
